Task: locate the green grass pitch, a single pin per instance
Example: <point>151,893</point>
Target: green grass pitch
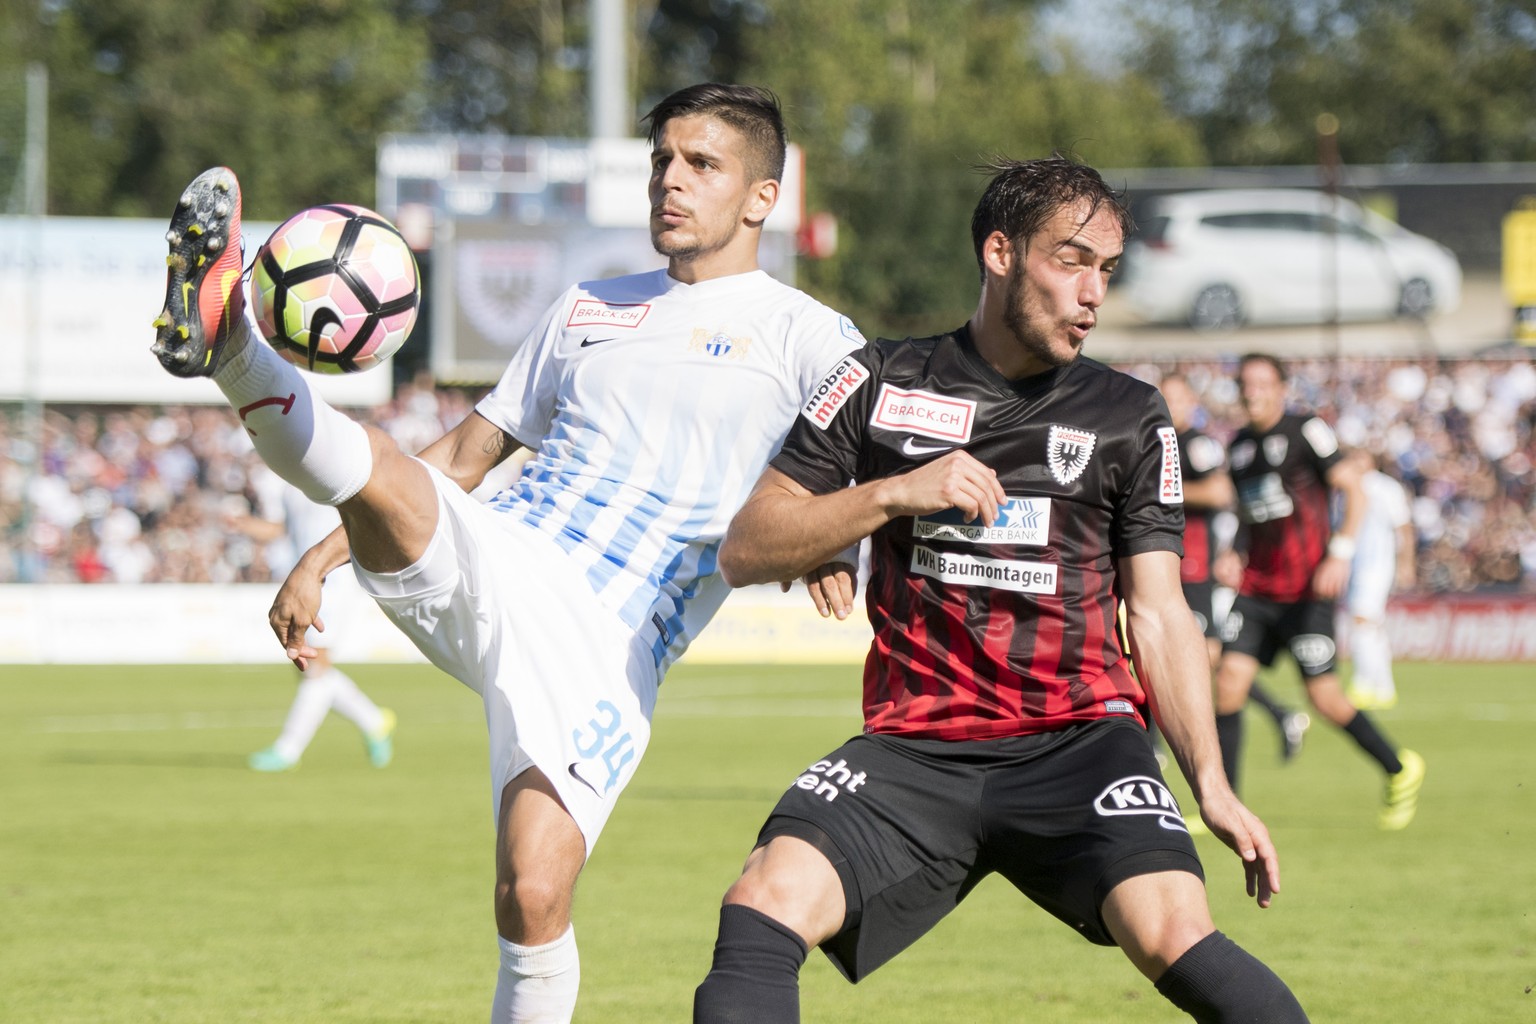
<point>146,875</point>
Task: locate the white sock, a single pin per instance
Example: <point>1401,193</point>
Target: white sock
<point>306,713</point>
<point>322,452</point>
<point>537,984</point>
<point>353,704</point>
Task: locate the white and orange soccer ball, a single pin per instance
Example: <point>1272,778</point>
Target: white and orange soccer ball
<point>336,289</point>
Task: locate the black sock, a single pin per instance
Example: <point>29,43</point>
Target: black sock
<point>755,977</point>
<point>1373,742</point>
<point>1261,697</point>
<point>1216,981</point>
<point>1229,733</point>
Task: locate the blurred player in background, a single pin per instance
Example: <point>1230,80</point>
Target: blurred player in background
<point>653,400</point>
<point>290,524</point>
<point>1208,496</point>
<point>1384,561</point>
<point>1013,493</point>
<point>1285,466</point>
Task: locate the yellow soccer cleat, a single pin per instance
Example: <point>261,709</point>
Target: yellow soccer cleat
<point>1403,792</point>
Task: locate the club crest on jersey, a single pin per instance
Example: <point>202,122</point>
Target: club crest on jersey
<point>835,389</point>
<point>925,413</point>
<point>1140,794</point>
<point>1275,447</point>
<point>1019,521</point>
<point>719,344</point>
<point>591,312</point>
<point>1067,450</point>
<point>1170,482</point>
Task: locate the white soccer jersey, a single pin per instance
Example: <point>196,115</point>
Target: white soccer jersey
<point>653,407</point>
<point>1375,563</point>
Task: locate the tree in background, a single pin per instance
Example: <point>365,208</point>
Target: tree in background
<point>1411,81</point>
<point>893,101</point>
<point>145,94</point>
<point>896,102</point>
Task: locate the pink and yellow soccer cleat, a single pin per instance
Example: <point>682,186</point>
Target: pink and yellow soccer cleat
<point>204,300</point>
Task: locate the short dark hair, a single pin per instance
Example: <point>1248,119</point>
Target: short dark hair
<point>1024,194</point>
<point>751,110</point>
<point>1263,357</point>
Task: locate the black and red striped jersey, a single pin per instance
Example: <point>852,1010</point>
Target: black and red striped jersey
<point>981,632</point>
<point>1281,477</point>
<point>1200,455</point>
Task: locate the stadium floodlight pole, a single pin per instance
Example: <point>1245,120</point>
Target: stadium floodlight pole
<point>609,116</point>
<point>34,210</point>
<point>1328,163</point>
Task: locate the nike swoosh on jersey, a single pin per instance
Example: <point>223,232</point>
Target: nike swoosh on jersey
<point>911,447</point>
<point>595,341</point>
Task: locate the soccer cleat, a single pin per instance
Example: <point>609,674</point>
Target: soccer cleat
<point>1371,700</point>
<point>1403,792</point>
<point>1293,729</point>
<point>270,760</point>
<point>380,744</point>
<point>204,300</point>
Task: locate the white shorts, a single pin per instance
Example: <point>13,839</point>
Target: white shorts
<point>1369,588</point>
<point>567,685</point>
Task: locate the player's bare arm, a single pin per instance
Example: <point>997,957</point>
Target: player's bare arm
<point>1333,572</point>
<point>784,531</point>
<point>470,450</point>
<point>1170,657</point>
<point>297,604</point>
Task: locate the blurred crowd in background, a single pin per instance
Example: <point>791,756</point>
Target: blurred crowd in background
<point>145,494</point>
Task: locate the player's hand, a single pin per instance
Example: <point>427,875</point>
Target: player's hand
<point>1228,569</point>
<point>832,587</point>
<point>1241,829</point>
<point>955,480</point>
<point>294,610</point>
<point>1329,579</point>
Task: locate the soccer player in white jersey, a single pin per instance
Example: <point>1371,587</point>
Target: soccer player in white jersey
<point>1384,561</point>
<point>653,403</point>
<point>290,524</point>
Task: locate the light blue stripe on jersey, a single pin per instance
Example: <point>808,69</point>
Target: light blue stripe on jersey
<point>533,500</point>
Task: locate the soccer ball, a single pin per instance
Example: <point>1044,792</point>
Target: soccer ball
<point>335,289</point>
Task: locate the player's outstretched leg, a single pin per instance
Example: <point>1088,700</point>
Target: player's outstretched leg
<point>204,302</point>
<point>1216,981</point>
<point>755,975</point>
<point>203,332</point>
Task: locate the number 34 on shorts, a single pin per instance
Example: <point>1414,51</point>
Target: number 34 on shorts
<point>605,747</point>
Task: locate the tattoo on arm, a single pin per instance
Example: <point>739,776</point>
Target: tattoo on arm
<point>499,445</point>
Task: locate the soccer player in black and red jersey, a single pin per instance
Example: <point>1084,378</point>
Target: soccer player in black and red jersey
<point>1011,490</point>
<point>1208,494</point>
<point>1285,467</point>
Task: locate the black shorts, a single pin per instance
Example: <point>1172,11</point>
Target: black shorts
<point>1260,627</point>
<point>1200,598</point>
<point>913,825</point>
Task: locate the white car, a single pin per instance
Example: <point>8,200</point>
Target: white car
<point>1226,257</point>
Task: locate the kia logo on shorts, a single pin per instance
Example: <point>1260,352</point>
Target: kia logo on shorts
<point>1140,794</point>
